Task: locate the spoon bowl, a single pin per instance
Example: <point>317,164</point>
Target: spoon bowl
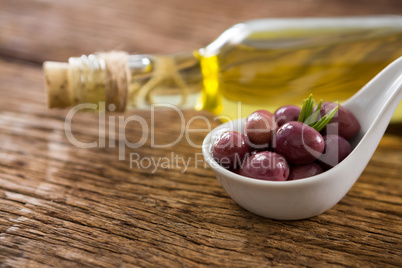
<point>373,106</point>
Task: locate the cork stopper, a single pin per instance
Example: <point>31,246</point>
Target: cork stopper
<point>95,78</point>
<point>57,84</point>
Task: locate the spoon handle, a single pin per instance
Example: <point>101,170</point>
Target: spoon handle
<point>378,99</point>
<point>373,106</point>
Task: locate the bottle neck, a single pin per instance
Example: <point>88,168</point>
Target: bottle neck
<point>164,79</point>
<point>125,81</point>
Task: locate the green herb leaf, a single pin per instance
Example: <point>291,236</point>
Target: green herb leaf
<point>325,119</point>
<point>309,111</point>
<point>309,117</point>
<point>306,109</point>
<point>301,115</point>
<point>314,116</point>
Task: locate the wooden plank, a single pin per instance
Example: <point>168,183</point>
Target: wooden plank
<point>65,206</point>
<point>61,205</point>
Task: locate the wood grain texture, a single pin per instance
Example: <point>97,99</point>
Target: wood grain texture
<point>63,206</point>
<point>48,30</point>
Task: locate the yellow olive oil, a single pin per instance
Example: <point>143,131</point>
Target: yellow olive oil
<point>271,69</point>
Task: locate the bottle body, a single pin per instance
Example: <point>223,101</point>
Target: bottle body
<point>270,63</point>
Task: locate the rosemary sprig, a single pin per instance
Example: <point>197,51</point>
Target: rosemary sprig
<point>301,115</point>
<point>314,116</point>
<point>325,119</point>
<point>309,116</point>
<point>305,110</point>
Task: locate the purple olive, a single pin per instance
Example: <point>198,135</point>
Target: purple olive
<point>336,149</point>
<point>265,166</point>
<point>259,128</point>
<point>286,114</point>
<point>230,149</point>
<point>304,171</point>
<point>344,123</point>
<point>299,143</point>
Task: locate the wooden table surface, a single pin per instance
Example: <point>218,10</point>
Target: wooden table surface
<point>63,206</point>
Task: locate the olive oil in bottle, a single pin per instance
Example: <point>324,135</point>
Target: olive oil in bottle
<point>258,64</point>
<point>270,63</point>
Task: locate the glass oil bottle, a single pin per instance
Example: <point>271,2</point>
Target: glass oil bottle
<point>259,64</point>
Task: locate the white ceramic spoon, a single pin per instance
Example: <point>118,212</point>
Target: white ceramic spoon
<point>373,106</point>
